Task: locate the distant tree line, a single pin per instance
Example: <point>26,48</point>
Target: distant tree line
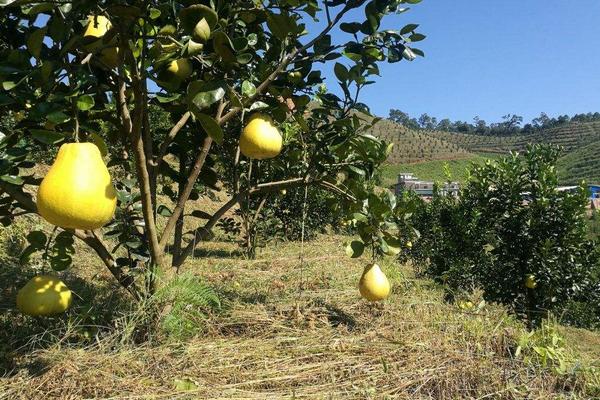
<point>511,124</point>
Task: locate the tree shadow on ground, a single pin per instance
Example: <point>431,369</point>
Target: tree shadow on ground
<point>335,315</point>
<point>218,253</point>
<point>93,311</point>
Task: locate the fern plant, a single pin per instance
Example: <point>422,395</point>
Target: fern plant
<point>190,300</point>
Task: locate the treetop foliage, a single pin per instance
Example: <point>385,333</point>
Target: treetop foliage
<point>511,124</point>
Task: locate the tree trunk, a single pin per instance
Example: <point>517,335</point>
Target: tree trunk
<point>177,241</point>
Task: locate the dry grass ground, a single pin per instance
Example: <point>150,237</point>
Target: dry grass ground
<point>295,330</point>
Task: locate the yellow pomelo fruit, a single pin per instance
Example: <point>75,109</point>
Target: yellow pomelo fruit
<point>97,27</point>
<point>260,138</point>
<point>530,281</point>
<point>44,295</point>
<point>409,244</point>
<point>465,305</point>
<point>180,69</point>
<point>374,285</point>
<point>77,192</point>
<point>176,72</point>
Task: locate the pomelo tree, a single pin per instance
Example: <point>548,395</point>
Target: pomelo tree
<point>165,89</point>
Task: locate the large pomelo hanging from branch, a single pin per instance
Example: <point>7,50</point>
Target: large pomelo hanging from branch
<point>96,28</point>
<point>373,284</point>
<point>77,192</point>
<point>260,138</point>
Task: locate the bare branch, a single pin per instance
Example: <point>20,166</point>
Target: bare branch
<point>170,137</point>
<point>191,181</point>
<point>184,196</point>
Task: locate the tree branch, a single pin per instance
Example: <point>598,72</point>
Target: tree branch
<point>191,181</point>
<point>284,63</point>
<point>170,137</point>
<point>184,196</point>
<point>205,232</point>
<point>89,237</point>
<point>134,128</point>
<point>127,281</point>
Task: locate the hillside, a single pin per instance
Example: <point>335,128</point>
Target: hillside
<point>570,136</point>
<point>432,170</point>
<point>581,164</point>
<point>415,146</point>
<point>424,152</point>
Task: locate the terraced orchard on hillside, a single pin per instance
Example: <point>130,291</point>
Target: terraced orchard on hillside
<point>580,143</point>
<point>570,136</point>
<point>414,146</point>
<point>581,164</point>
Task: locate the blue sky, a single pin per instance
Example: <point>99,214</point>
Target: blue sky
<point>493,57</point>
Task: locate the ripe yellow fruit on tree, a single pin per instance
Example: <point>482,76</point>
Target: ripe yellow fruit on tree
<point>175,73</point>
<point>77,192</point>
<point>530,281</point>
<point>374,285</point>
<point>44,295</point>
<point>260,138</point>
<point>180,68</point>
<point>97,27</point>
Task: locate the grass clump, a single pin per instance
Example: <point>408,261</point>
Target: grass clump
<point>188,302</point>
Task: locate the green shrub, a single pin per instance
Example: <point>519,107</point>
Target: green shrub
<point>508,223</point>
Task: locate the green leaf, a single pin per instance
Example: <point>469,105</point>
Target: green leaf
<point>392,246</point>
<point>99,142</point>
<point>37,239</point>
<point>8,85</point>
<point>248,89</point>
<point>164,211</point>
<point>85,102</point>
<point>204,94</point>
<point>352,27</point>
<point>61,262</point>
<point>280,25</point>
<point>201,214</point>
<point>58,117</point>
<point>47,137</point>
<point>211,127</point>
<point>154,13</point>
<point>418,52</point>
<point>167,99</point>
<point>355,249</point>
<point>257,105</point>
<point>185,384</point>
<point>12,179</point>
<point>408,28</point>
<point>223,47</point>
<point>341,72</point>
<point>360,217</point>
<point>5,99</point>
<point>416,37</point>
<point>190,16</point>
<point>35,42</point>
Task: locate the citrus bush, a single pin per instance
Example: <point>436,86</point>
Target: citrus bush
<point>513,234</point>
<point>225,75</point>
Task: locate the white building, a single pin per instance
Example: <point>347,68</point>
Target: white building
<point>407,181</point>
